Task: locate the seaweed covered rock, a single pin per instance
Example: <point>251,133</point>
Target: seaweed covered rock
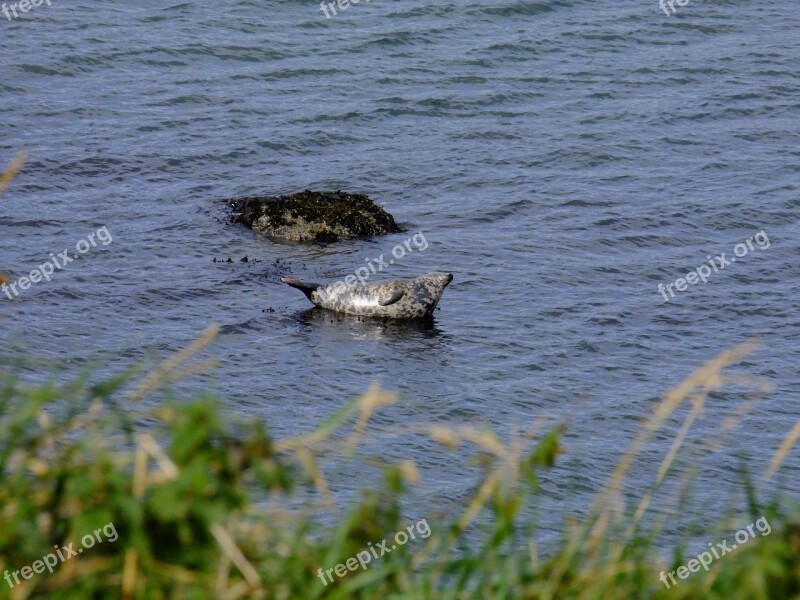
<point>313,216</point>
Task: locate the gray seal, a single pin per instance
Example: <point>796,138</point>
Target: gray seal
<point>394,299</point>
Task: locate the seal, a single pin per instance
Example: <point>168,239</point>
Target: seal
<point>395,299</point>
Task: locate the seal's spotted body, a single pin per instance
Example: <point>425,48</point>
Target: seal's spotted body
<point>395,299</point>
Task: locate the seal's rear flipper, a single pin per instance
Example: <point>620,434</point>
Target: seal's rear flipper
<point>306,287</point>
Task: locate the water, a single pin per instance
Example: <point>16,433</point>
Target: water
<point>561,158</point>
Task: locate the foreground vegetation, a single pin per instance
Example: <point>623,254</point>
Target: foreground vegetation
<point>205,508</point>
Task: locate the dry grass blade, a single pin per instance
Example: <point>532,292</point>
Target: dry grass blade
<point>6,177</point>
<point>306,459</point>
<point>698,403</point>
<point>11,171</point>
<point>367,404</point>
<point>302,441</point>
<point>239,590</point>
<point>232,551</point>
<point>167,371</point>
<point>155,451</point>
<point>510,456</point>
<point>129,573</point>
<point>223,573</point>
<point>146,448</point>
<point>451,437</point>
<point>707,378</point>
<point>787,444</point>
<point>484,493</point>
<point>409,472</point>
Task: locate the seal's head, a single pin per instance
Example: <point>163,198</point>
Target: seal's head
<point>427,290</point>
<point>440,279</point>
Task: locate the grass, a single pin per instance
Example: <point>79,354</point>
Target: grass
<point>11,171</point>
<point>5,178</point>
<point>207,508</point>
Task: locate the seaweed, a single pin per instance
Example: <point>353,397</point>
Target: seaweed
<point>312,216</point>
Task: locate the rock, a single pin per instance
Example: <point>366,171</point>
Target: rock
<point>313,216</point>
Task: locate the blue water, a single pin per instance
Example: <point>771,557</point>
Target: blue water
<point>561,158</point>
